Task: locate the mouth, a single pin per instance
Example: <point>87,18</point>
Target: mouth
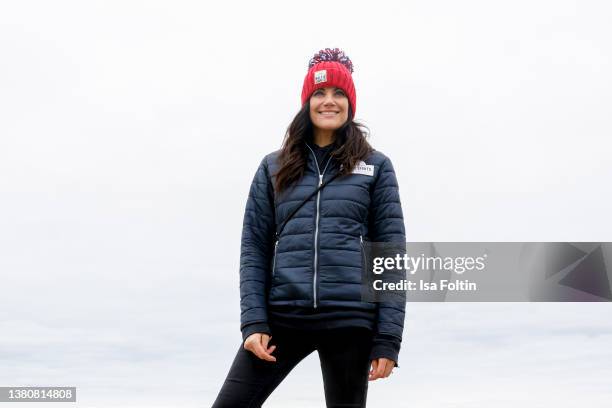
<point>328,114</point>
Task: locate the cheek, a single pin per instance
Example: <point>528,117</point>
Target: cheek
<point>314,118</point>
<point>345,110</point>
<point>313,110</point>
<point>345,105</point>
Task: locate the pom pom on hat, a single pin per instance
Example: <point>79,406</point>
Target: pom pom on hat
<point>330,67</point>
<point>330,54</point>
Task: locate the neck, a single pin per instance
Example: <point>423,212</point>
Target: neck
<point>323,137</point>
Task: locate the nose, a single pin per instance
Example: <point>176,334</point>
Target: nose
<point>329,99</point>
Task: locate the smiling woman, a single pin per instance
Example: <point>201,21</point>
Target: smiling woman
<point>300,286</point>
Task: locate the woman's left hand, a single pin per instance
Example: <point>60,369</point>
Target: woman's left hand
<point>381,368</point>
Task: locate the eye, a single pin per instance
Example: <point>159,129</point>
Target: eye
<point>339,92</point>
<point>318,92</point>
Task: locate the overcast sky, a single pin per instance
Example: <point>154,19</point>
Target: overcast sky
<point>130,132</point>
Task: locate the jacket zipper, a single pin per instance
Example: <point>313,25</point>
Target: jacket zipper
<point>274,259</point>
<point>316,239</point>
<point>363,263</point>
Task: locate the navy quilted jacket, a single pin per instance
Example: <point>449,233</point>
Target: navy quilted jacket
<point>318,258</point>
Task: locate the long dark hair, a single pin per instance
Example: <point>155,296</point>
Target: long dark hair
<point>350,146</point>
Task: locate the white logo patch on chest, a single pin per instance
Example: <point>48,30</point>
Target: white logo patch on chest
<point>362,168</point>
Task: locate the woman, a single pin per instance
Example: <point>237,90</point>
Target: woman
<point>301,266</point>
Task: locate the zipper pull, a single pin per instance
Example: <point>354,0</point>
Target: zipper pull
<point>361,238</point>
<point>320,179</point>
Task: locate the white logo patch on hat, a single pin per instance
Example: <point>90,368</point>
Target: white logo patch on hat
<point>363,168</point>
<point>320,76</point>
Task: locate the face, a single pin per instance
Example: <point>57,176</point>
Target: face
<point>328,108</point>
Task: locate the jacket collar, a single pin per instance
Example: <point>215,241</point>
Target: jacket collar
<point>332,167</point>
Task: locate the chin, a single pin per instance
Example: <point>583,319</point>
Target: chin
<point>329,126</point>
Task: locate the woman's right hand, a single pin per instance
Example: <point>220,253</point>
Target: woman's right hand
<point>257,343</point>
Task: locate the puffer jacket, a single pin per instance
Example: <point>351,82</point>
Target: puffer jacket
<point>318,258</point>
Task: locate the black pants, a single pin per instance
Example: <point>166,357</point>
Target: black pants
<point>343,353</point>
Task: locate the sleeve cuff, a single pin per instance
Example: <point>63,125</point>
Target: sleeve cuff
<point>387,347</point>
<point>261,327</point>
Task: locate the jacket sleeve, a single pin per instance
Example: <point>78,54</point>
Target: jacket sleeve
<point>255,254</point>
<point>387,225</point>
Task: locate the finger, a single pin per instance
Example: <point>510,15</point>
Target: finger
<point>382,364</point>
<point>265,339</point>
<point>373,370</point>
<point>261,352</point>
<point>388,368</point>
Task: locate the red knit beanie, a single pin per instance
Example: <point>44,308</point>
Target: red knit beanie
<point>330,67</point>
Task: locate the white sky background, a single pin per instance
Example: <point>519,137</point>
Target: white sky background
<point>130,132</point>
